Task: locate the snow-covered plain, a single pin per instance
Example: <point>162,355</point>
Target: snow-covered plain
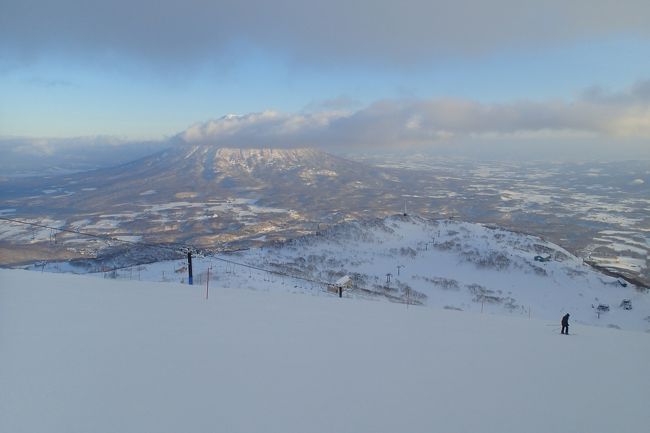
<point>80,354</point>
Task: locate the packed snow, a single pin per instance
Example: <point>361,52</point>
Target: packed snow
<point>81,354</point>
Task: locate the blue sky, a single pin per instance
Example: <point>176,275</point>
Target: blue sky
<point>143,75</point>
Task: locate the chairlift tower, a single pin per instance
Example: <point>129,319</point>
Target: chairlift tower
<point>189,268</point>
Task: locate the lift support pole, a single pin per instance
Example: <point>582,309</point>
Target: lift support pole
<point>189,267</point>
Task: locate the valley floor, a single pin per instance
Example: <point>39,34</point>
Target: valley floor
<point>82,354</point>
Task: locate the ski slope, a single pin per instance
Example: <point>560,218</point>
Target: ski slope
<point>444,264</point>
<point>81,354</point>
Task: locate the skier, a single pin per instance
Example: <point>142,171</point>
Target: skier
<point>565,324</point>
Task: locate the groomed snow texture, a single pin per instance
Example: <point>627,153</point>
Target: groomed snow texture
<point>81,354</point>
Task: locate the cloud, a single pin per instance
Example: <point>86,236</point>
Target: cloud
<point>390,123</point>
<point>338,103</point>
<point>24,155</point>
<point>268,128</point>
<point>637,93</point>
<point>49,83</point>
<point>174,33</point>
<point>598,123</point>
<point>49,146</point>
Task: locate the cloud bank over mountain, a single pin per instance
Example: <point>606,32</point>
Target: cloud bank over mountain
<point>597,114</point>
<point>598,123</point>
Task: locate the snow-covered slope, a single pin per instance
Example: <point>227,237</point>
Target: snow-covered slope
<point>459,265</point>
<point>81,354</point>
<point>444,264</point>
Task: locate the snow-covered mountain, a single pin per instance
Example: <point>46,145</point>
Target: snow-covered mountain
<point>226,198</point>
<point>205,195</point>
<point>443,264</point>
<point>203,171</point>
<point>82,354</point>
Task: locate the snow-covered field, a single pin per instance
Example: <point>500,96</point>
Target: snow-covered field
<point>80,354</point>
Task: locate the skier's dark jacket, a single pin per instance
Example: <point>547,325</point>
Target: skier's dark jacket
<point>565,320</point>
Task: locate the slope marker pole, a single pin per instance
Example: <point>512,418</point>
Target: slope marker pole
<point>207,284</point>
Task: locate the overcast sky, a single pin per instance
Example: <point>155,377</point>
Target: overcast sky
<point>351,74</point>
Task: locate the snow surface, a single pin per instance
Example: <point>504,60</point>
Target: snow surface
<point>81,354</point>
<point>443,264</point>
<point>29,234</point>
